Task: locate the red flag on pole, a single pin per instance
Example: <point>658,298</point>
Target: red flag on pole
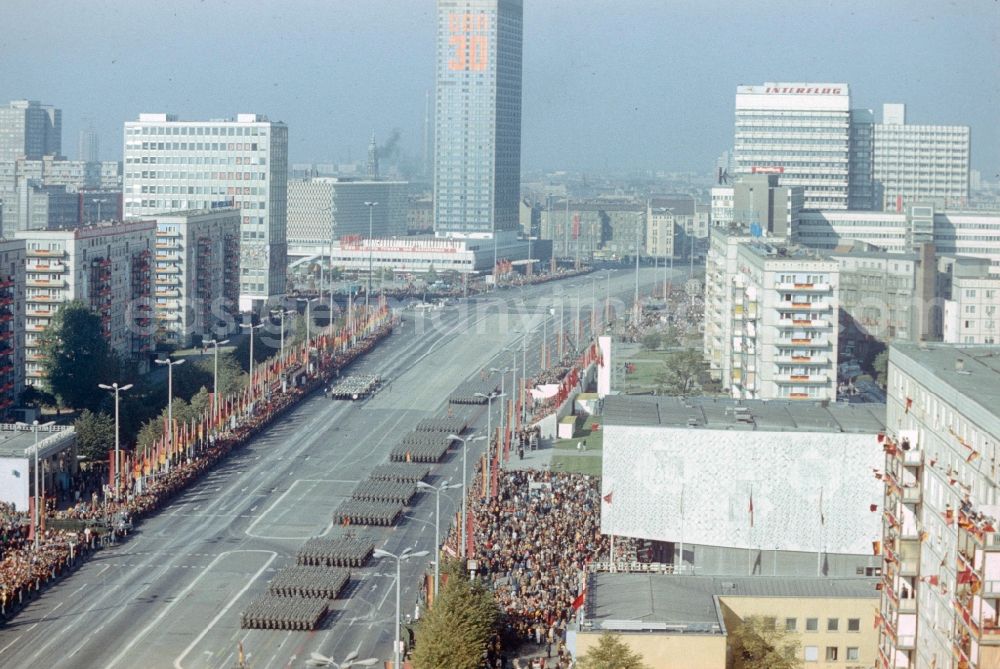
<point>751,506</point>
<point>580,599</point>
<point>607,498</point>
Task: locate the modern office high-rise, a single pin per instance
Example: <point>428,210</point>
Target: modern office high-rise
<point>919,163</point>
<point>29,129</point>
<point>477,119</point>
<point>800,132</point>
<point>173,165</point>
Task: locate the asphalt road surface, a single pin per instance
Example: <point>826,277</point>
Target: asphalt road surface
<point>171,595</point>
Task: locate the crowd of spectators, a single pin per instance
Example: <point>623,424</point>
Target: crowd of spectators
<point>682,314</point>
<point>533,542</point>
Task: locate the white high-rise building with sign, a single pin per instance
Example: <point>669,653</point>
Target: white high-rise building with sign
<point>800,132</point>
<point>173,165</point>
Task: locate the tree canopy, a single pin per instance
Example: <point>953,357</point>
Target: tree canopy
<point>456,629</point>
<point>76,357</point>
<point>611,653</point>
<point>95,434</point>
<point>681,373</point>
<point>758,643</point>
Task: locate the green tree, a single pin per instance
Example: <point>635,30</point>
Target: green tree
<point>95,434</point>
<point>432,274</point>
<point>652,341</point>
<point>670,338</point>
<point>455,630</point>
<point>76,357</point>
<point>681,373</point>
<point>758,643</point>
<point>611,653</point>
<point>880,365</point>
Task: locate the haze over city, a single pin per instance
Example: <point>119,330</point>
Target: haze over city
<point>620,86</point>
<point>499,334</point>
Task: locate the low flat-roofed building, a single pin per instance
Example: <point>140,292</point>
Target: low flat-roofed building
<point>687,622</point>
<point>56,461</point>
<point>722,486</point>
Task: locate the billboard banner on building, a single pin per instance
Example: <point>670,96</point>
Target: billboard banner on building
<point>810,491</point>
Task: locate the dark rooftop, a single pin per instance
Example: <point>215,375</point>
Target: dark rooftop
<point>729,414</point>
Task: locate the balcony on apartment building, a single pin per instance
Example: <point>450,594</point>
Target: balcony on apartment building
<point>46,253</point>
<point>809,377</point>
<point>48,267</point>
<point>803,322</point>
<point>809,287</point>
<point>34,282</point>
<point>803,305</point>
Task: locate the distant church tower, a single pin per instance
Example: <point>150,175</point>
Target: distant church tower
<point>372,158</point>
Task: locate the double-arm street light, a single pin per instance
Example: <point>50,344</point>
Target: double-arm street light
<point>308,301</point>
<point>405,555</point>
<point>371,209</point>
<point>282,313</point>
<point>35,425</point>
<point>437,524</point>
<point>465,442</point>
<point>489,434</point>
<point>170,394</point>
<point>502,371</point>
<point>215,343</point>
<point>317,660</point>
<point>117,390</point>
<point>251,327</point>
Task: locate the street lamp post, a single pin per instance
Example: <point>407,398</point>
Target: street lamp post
<point>489,435</point>
<point>503,393</point>
<point>308,301</point>
<point>465,469</point>
<point>38,514</point>
<point>405,555</point>
<point>116,389</point>
<point>215,377</point>
<point>282,313</point>
<point>371,208</point>
<point>251,327</point>
<point>437,525</point>
<point>170,394</point>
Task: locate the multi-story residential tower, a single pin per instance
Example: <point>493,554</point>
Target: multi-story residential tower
<point>11,323</point>
<point>477,118</point>
<point>173,165</point>
<point>108,267</point>
<point>800,132</point>
<point>29,129</point>
<point>919,163</point>
<point>197,274</point>
<point>88,146</point>
<point>782,304</point>
<point>940,515</point>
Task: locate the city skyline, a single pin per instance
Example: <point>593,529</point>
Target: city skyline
<point>665,102</point>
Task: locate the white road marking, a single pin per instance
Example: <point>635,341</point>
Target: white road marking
<point>180,596</point>
<point>180,658</point>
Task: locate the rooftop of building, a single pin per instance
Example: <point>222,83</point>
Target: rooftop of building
<point>18,442</point>
<point>685,604</point>
<point>714,413</point>
<point>970,372</point>
<point>186,213</point>
<point>769,249</point>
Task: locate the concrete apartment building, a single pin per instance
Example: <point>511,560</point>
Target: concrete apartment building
<point>688,622</point>
<point>108,267</point>
<point>919,163</point>
<point>782,306</point>
<point>11,323</point>
<point>324,209</point>
<point>800,132</point>
<point>29,129</point>
<point>676,226</point>
<point>197,275</point>
<point>941,579</point>
<point>962,233</point>
<point>174,165</point>
<point>595,228</point>
<point>886,297</point>
<point>970,301</point>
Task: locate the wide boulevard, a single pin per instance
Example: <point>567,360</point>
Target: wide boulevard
<point>171,595</point>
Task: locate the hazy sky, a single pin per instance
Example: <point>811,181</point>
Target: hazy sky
<point>617,84</point>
